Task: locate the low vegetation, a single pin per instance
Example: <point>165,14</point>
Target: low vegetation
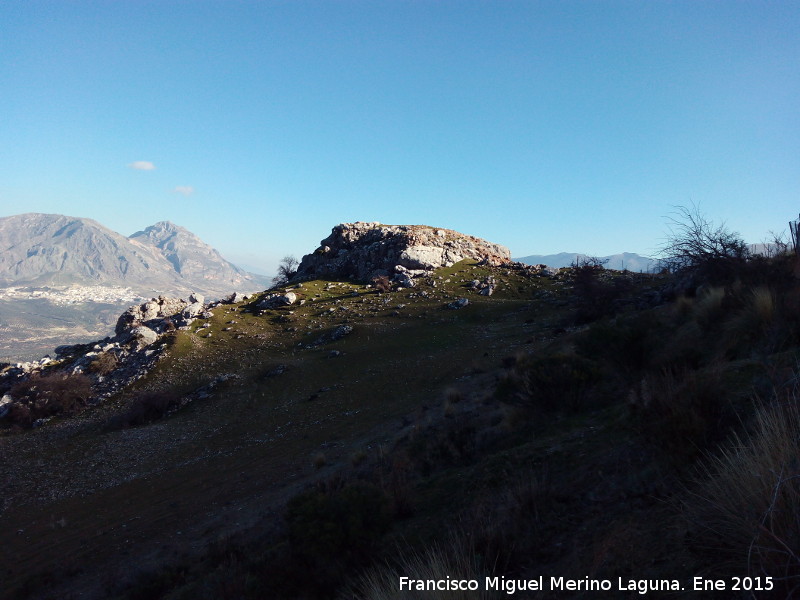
<point>46,395</point>
<point>584,423</point>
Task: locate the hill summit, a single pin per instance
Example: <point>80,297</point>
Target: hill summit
<point>363,250</point>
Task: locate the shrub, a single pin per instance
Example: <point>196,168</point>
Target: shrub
<point>753,327</point>
<point>686,348</point>
<point>593,295</point>
<point>20,415</point>
<point>698,247</point>
<point>550,383</point>
<point>511,525</point>
<point>145,408</point>
<point>382,283</point>
<point>104,363</point>
<point>746,509</point>
<point>628,344</point>
<point>683,412</point>
<point>598,293</point>
<point>710,307</point>
<point>51,394</point>
<point>286,270</point>
<point>451,442</point>
<point>319,460</point>
<point>335,528</point>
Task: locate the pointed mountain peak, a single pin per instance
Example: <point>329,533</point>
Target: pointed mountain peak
<point>159,230</point>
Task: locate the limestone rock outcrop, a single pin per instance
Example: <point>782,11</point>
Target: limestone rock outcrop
<point>156,308</point>
<point>364,250</point>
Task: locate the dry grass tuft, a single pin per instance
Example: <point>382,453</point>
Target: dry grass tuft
<point>435,564</point>
<point>708,308</point>
<point>746,508</point>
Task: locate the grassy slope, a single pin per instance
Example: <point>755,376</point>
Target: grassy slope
<point>581,493</point>
<point>223,462</point>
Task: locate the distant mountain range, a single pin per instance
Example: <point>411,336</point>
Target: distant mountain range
<point>56,250</point>
<point>66,279</point>
<point>625,260</point>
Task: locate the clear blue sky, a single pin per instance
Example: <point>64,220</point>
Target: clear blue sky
<point>544,126</point>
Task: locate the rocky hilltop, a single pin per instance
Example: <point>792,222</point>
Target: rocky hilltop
<point>363,250</point>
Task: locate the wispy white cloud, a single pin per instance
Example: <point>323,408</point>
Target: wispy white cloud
<point>142,165</point>
<point>186,190</point>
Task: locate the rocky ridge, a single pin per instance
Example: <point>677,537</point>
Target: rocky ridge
<point>362,251</point>
<point>115,362</point>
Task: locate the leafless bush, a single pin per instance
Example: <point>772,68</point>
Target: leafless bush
<point>286,270</point>
<point>695,244</point>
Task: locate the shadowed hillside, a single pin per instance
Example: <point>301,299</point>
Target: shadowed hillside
<point>322,439</point>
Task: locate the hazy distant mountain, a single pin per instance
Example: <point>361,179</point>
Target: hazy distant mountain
<point>625,260</point>
<point>42,249</point>
<point>191,257</point>
<point>768,248</point>
<point>66,280</point>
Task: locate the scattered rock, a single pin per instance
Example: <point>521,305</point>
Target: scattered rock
<point>341,331</point>
<point>152,310</point>
<point>5,405</point>
<point>279,370</point>
<point>235,298</point>
<point>144,336</point>
<point>193,310</point>
<point>278,300</point>
<point>459,303</point>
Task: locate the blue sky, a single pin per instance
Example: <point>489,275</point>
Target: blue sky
<point>544,126</point>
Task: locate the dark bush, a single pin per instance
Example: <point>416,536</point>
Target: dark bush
<point>696,246</point>
<point>382,283</point>
<point>104,363</point>
<point>286,270</point>
<point>335,529</point>
<point>683,413</point>
<point>745,510</point>
<point>333,522</point>
<point>48,395</point>
<point>551,383</point>
<point>598,293</point>
<point>453,442</point>
<point>20,415</point>
<point>628,344</point>
<point>145,408</point>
